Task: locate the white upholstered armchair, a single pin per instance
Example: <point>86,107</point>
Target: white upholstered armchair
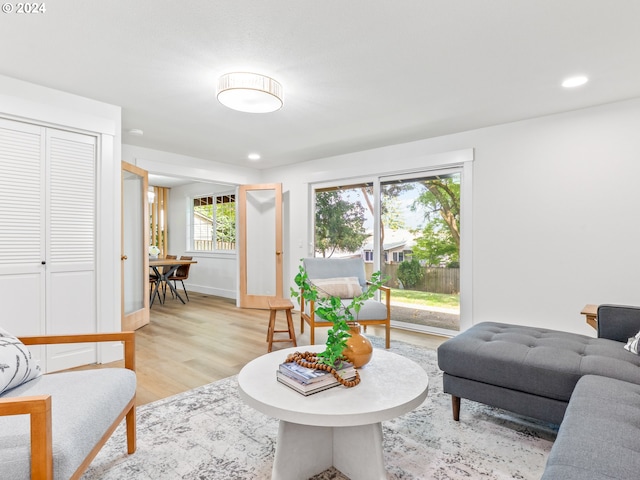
<point>52,426</point>
<point>373,312</point>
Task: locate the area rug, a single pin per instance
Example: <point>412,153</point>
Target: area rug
<point>209,433</point>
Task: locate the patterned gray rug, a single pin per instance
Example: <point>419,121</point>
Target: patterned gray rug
<point>208,434</point>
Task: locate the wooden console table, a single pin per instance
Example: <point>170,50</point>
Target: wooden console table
<point>591,313</point>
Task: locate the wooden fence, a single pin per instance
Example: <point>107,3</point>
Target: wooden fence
<point>435,279</point>
<point>207,245</point>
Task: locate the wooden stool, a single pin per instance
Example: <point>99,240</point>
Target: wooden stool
<point>276,304</point>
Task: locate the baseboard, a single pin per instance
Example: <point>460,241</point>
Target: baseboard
<point>218,292</point>
<point>110,352</point>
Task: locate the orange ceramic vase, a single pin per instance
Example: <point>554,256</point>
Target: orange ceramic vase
<point>359,349</point>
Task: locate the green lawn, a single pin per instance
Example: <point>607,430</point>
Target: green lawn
<point>426,298</point>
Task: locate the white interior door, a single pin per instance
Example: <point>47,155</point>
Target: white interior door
<point>22,222</point>
<point>135,240</point>
<point>260,228</point>
<point>71,245</point>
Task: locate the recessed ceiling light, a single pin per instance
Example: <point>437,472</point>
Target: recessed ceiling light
<point>253,156</point>
<point>575,81</point>
<point>136,131</point>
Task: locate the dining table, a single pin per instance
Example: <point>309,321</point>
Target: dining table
<point>163,268</point>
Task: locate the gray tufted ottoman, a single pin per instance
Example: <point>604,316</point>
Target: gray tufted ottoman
<point>533,371</point>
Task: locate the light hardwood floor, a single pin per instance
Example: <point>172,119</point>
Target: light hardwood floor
<point>209,338</point>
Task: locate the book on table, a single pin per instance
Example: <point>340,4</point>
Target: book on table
<point>310,388</point>
<point>308,380</point>
<point>312,375</point>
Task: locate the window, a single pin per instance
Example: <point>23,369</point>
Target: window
<point>214,223</point>
<point>398,257</point>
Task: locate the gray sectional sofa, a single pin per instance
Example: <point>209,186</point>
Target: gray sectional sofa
<point>599,438</point>
<point>590,386</point>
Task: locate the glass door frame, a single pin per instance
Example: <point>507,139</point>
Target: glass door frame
<point>246,297</point>
<point>132,320</point>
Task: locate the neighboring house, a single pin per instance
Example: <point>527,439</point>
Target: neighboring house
<point>202,226</point>
<point>397,249</point>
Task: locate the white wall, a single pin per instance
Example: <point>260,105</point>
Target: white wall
<point>555,208</point>
<point>214,274</point>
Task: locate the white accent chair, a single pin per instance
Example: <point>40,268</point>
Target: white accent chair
<point>54,425</point>
<point>373,312</point>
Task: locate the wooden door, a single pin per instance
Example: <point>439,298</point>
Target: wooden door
<point>135,241</point>
<point>260,242</point>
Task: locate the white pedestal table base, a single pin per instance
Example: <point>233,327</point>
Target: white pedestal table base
<point>303,451</point>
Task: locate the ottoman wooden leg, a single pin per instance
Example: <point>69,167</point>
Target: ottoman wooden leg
<point>455,404</point>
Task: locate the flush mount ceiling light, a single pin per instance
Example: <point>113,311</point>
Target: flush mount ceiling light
<point>249,92</point>
<point>575,81</point>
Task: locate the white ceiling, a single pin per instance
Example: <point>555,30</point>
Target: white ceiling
<point>357,74</point>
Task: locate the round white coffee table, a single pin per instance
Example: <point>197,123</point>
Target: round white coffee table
<point>339,426</point>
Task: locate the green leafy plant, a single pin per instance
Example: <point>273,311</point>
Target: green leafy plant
<point>410,272</point>
<point>333,310</point>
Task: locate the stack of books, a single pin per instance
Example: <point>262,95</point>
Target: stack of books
<point>308,380</point>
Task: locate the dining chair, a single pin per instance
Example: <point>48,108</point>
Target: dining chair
<point>182,273</point>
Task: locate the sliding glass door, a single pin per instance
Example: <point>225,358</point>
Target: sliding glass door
<point>420,249</point>
<point>408,227</point>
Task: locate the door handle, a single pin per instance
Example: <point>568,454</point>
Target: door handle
<point>278,253</point>
<point>123,257</point>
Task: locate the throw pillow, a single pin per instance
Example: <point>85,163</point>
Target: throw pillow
<point>342,287</point>
<point>16,364</point>
<point>633,345</point>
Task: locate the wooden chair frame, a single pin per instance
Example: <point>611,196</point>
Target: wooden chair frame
<point>313,323</point>
<point>39,407</point>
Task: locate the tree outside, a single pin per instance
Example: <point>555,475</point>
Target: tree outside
<point>339,223</point>
<point>438,242</point>
<point>226,223</point>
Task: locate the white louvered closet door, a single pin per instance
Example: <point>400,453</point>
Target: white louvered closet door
<point>22,230</point>
<point>70,249</point>
<point>47,237</point>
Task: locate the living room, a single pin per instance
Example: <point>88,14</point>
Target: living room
<point>549,197</point>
